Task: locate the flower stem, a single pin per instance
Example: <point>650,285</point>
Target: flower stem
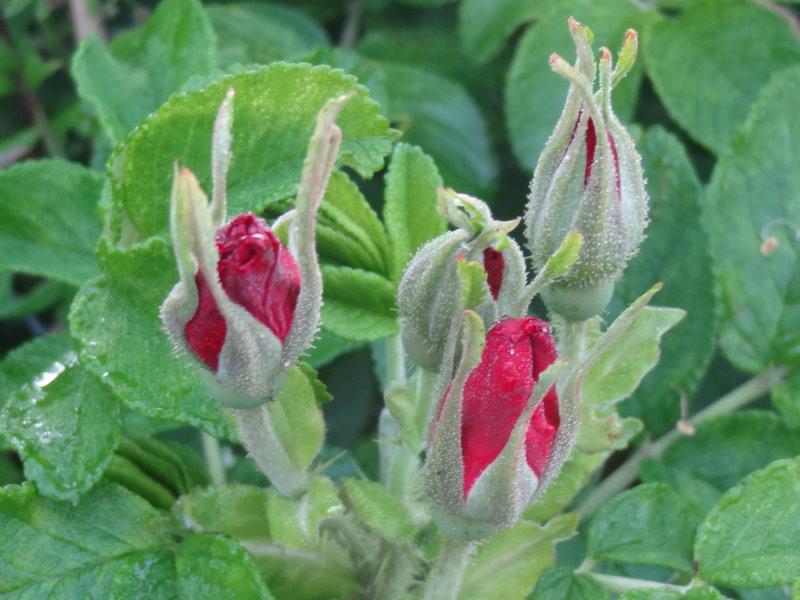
<point>213,458</point>
<point>628,472</point>
<point>399,464</point>
<point>620,585</point>
<point>447,573</point>
<point>262,443</point>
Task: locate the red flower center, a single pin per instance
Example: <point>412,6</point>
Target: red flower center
<point>258,273</point>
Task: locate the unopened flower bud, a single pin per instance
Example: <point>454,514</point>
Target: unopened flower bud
<point>588,178</point>
<point>496,427</point>
<point>247,306</point>
<point>429,293</point>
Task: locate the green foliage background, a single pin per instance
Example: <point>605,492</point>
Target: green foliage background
<point>85,262</point>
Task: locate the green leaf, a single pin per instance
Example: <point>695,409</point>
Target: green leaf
<point>328,347</point>
<point>25,363</point>
<point>212,566</point>
<point>617,373</point>
<point>297,419</point>
<point>115,320</point>
<point>701,593</point>
<point>752,193</point>
<point>49,223</point>
<point>65,426</point>
<point>257,32</point>
<point>750,538</point>
<point>166,464</point>
<point>674,223</point>
<point>535,95</point>
<point>295,521</point>
<point>573,476</point>
<point>274,113</point>
<point>108,545</point>
<point>112,544</point>
<point>321,574</point>
<point>724,52</point>
<point>36,300</point>
<point>409,209</point>
<point>474,290</point>
<point>485,26</point>
<point>349,232</point>
<point>721,452</point>
<point>359,305</point>
<point>145,66</point>
<point>649,524</point>
<point>237,510</point>
<point>559,583</point>
<point>438,115</point>
<point>433,112</point>
<point>379,508</point>
<point>786,399</point>
<point>509,563</point>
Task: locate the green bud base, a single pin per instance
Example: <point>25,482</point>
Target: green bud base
<point>578,303</point>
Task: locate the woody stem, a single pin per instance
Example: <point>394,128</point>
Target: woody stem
<point>447,573</point>
<point>628,472</point>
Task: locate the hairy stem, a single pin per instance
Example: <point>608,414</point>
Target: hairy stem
<point>213,458</point>
<point>628,472</point>
<point>447,573</point>
<point>261,442</point>
<point>399,464</point>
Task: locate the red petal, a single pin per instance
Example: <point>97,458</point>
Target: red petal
<point>496,391</point>
<point>495,264</point>
<point>205,331</point>
<point>258,272</point>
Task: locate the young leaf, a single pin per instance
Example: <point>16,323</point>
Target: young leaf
<point>409,210</point>
<point>750,538</point>
<point>349,232</point>
<point>237,510</point>
<point>275,109</point>
<point>49,224</point>
<point>359,305</point>
<point>649,524</point>
<point>707,36</point>
<point>378,508</point>
<point>297,419</point>
<point>295,521</point>
<point>757,294</point>
<point>786,399</point>
<point>509,563</point>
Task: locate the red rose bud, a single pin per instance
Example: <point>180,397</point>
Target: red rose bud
<point>588,178</point>
<point>239,307</point>
<point>496,428</point>
<point>258,273</point>
<point>429,293</point>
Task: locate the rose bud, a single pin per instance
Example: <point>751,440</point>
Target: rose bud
<point>496,427</point>
<point>247,306</point>
<point>428,298</point>
<point>588,178</point>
